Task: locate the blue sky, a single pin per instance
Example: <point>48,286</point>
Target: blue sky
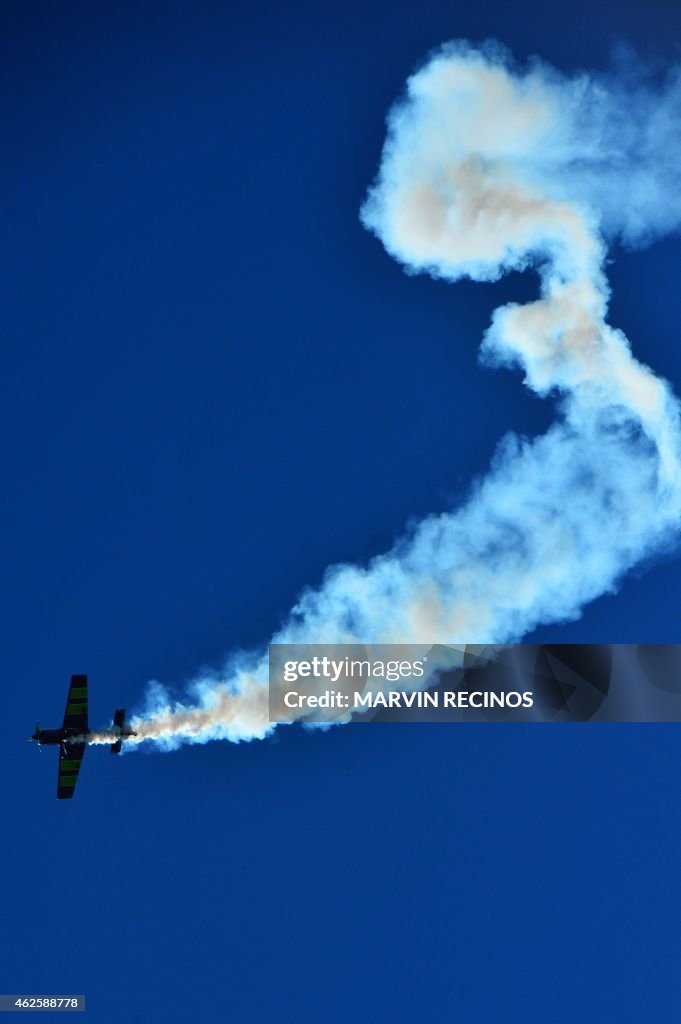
<point>215,384</point>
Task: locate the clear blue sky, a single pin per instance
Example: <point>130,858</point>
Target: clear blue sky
<point>214,384</point>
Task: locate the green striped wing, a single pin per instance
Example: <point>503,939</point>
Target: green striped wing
<point>75,716</point>
<point>70,757</point>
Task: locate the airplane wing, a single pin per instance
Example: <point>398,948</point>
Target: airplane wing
<point>70,757</point>
<point>75,716</point>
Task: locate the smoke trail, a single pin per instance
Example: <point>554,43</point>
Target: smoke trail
<point>96,738</point>
<point>488,168</point>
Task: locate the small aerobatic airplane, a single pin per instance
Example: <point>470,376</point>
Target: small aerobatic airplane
<point>74,736</point>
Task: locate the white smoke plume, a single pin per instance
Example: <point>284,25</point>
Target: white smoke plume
<point>488,168</point>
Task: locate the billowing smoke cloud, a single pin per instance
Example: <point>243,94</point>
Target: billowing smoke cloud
<point>489,168</point>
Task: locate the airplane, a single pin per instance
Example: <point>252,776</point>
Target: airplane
<point>74,735</point>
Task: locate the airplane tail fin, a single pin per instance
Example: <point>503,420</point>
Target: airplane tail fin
<point>119,723</point>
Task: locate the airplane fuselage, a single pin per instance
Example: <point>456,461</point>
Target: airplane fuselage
<point>55,737</point>
<point>49,737</point>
